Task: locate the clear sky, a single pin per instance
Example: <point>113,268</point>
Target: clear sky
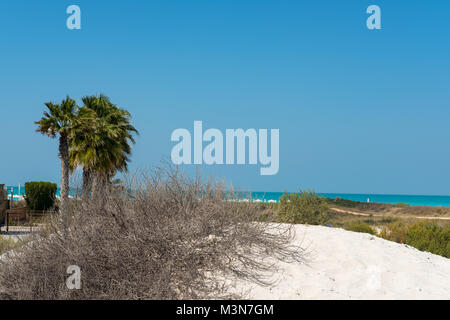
<point>359,111</point>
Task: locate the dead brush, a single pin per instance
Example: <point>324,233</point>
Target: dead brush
<point>160,236</point>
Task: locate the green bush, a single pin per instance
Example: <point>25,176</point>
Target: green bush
<point>40,195</point>
<point>425,236</point>
<point>359,227</point>
<point>429,237</point>
<point>305,207</point>
<point>396,231</point>
<point>4,205</point>
<point>4,202</point>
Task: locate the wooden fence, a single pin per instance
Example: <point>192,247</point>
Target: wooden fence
<point>23,217</point>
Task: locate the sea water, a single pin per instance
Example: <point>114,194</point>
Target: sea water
<point>413,200</point>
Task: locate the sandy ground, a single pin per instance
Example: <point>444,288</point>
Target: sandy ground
<point>381,215</point>
<point>349,265</point>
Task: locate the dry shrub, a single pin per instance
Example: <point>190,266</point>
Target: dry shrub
<point>7,244</point>
<point>162,236</point>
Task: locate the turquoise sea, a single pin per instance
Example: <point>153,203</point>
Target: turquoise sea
<point>20,191</point>
<point>413,200</point>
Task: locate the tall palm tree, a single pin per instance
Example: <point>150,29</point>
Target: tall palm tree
<point>101,142</point>
<point>59,119</point>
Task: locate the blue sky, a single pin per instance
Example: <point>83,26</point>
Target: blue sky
<point>359,111</point>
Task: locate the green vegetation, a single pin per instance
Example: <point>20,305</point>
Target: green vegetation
<point>395,231</point>
<point>40,195</point>
<point>303,207</point>
<point>425,236</point>
<point>4,205</point>
<point>358,226</point>
<point>429,237</point>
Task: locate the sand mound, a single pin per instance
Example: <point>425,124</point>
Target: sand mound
<point>348,265</point>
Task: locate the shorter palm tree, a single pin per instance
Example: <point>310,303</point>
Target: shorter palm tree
<point>59,119</point>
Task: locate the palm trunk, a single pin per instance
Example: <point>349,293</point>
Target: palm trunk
<point>98,190</point>
<point>64,156</point>
<point>95,186</point>
<point>87,181</point>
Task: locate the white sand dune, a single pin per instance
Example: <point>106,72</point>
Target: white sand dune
<point>350,265</point>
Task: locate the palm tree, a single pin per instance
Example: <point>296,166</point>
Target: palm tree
<point>81,152</point>
<point>59,120</point>
<point>101,142</point>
